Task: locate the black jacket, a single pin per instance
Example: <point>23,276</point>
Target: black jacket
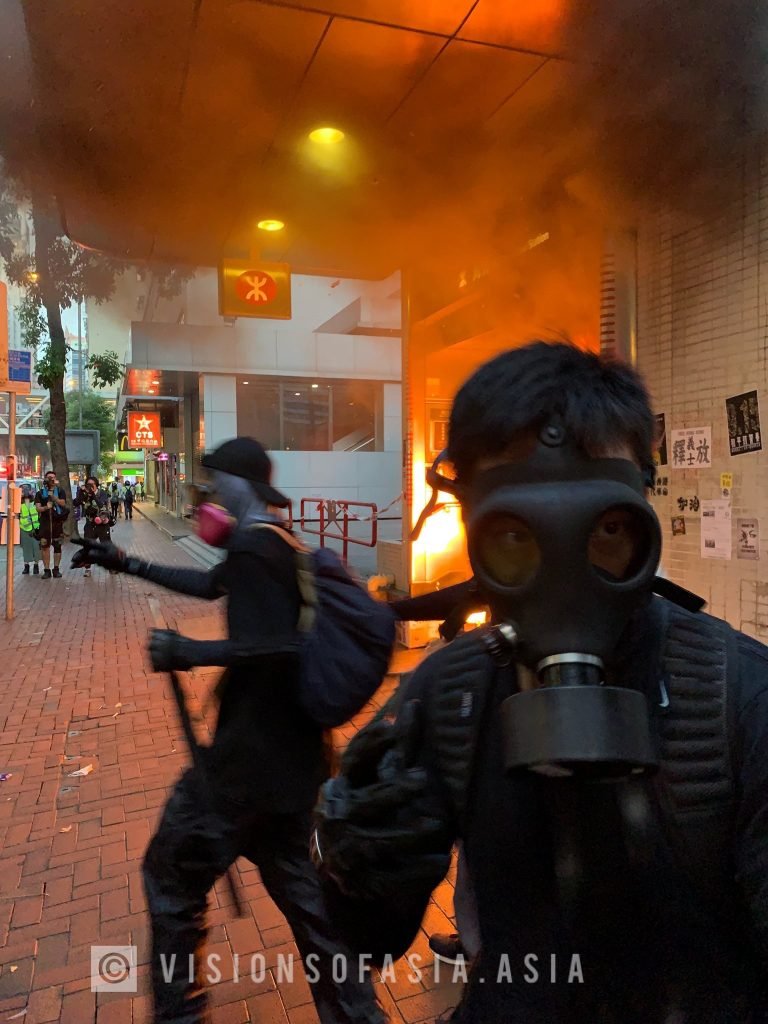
<point>650,945</point>
<point>266,752</point>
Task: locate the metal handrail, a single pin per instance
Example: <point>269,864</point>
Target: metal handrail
<point>334,517</point>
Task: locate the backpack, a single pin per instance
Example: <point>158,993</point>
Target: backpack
<point>362,814</point>
<point>347,637</point>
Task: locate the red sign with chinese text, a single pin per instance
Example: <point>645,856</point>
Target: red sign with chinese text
<point>144,430</point>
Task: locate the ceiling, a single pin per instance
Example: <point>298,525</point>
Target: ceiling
<point>177,126</point>
<point>167,130</point>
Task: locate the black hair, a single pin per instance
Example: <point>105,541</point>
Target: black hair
<point>600,401</point>
<point>94,478</point>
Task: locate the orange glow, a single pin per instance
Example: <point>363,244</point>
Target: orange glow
<point>477,619</point>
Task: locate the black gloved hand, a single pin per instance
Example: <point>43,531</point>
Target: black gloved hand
<point>98,552</point>
<point>168,650</point>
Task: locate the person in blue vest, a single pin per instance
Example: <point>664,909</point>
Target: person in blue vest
<point>29,525</point>
<point>599,751</point>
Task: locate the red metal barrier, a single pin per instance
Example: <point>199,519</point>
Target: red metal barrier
<point>333,519</point>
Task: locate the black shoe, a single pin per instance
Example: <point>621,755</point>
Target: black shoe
<point>46,574</point>
<point>36,570</point>
<point>25,571</point>
<point>56,573</point>
<point>448,948</point>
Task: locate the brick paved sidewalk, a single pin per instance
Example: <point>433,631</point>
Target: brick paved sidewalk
<point>76,690</point>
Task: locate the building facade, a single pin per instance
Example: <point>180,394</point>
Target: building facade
<point>322,391</point>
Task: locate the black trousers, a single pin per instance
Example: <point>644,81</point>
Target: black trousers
<point>194,847</point>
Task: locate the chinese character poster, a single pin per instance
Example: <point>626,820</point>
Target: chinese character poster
<point>743,414</point>
<point>660,451</point>
<point>692,448</point>
<point>748,539</point>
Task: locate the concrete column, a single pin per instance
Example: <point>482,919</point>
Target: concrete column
<point>219,401</point>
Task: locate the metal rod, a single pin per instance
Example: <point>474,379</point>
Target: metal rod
<point>11,504</point>
<point>196,753</point>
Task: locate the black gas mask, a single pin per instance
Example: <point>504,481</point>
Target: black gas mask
<point>566,549</point>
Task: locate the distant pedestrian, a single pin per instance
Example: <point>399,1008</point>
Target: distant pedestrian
<point>114,500</point>
<point>128,501</point>
<point>29,524</point>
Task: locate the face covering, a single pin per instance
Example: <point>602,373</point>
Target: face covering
<point>566,549</point>
<point>231,504</point>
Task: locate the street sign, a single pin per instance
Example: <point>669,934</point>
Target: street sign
<point>144,430</point>
<point>255,289</point>
<point>20,366</point>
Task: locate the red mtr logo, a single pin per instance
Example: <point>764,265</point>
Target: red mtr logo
<point>256,287</point>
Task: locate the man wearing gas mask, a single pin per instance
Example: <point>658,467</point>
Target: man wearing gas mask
<point>600,751</point>
<point>267,758</point>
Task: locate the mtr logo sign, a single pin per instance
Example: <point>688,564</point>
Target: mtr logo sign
<point>255,289</point>
<point>144,430</point>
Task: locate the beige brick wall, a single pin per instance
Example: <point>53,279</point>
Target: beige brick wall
<point>703,336</point>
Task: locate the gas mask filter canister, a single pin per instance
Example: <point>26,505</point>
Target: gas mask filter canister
<point>566,548</point>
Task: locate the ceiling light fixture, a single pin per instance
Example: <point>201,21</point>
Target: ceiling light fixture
<point>315,385</point>
<point>270,225</point>
<point>326,136</point>
<point>155,381</point>
<point>246,382</point>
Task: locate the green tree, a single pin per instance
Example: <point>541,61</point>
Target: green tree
<point>56,275</point>
<point>98,414</point>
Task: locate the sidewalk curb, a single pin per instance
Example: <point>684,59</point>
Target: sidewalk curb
<point>159,526</point>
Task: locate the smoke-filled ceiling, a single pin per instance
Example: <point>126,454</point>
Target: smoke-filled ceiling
<point>168,130</point>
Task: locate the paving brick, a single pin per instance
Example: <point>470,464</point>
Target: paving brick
<point>27,911</point>
<point>44,1005</point>
<point>78,1008</point>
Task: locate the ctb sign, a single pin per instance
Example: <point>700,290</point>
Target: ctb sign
<point>144,430</point>
<point>255,289</point>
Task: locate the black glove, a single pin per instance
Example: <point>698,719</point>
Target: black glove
<point>169,650</point>
<point>98,552</point>
<point>378,826</point>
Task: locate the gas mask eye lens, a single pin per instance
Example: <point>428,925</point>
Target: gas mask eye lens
<point>508,551</point>
<point>620,543</point>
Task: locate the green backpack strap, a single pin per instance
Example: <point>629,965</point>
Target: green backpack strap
<point>305,576</point>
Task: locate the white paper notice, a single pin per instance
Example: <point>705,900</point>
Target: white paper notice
<point>716,537</point>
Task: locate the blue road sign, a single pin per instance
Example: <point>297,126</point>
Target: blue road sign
<point>19,366</point>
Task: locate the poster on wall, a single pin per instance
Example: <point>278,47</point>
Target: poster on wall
<point>716,528</point>
<point>748,539</point>
<point>692,448</point>
<point>678,526</point>
<point>660,451</point>
<point>688,503</point>
<point>743,414</point>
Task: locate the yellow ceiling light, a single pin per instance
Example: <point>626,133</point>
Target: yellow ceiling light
<point>326,136</point>
<point>270,225</point>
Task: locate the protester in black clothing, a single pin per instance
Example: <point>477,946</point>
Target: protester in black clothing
<point>267,759</point>
<point>94,502</point>
<point>51,505</point>
<point>642,900</point>
<point>128,501</point>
